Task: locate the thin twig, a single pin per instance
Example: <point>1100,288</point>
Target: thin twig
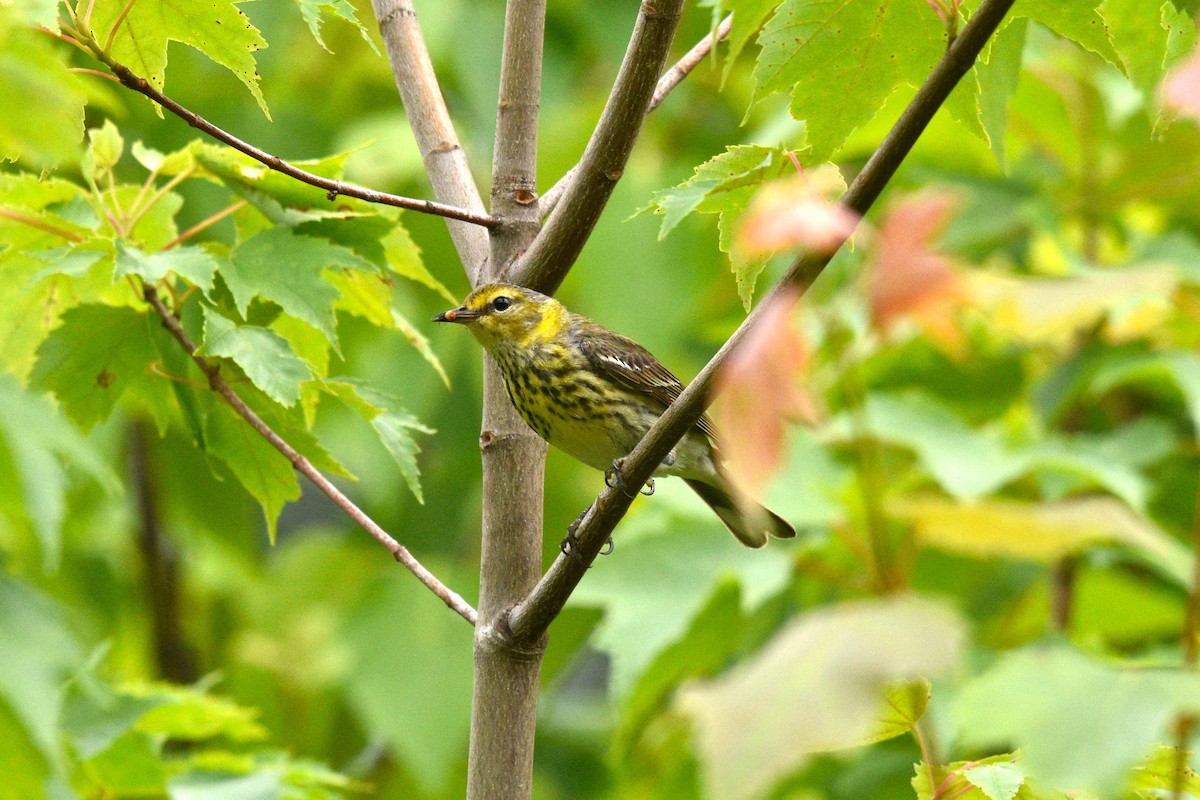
<point>206,223</point>
<point>332,187</point>
<point>302,465</point>
<point>41,226</point>
<point>529,620</point>
<point>546,262</point>
<point>445,161</point>
<point>669,80</point>
<point>116,25</point>
<point>85,71</point>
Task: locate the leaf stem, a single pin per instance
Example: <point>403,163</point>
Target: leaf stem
<point>116,25</point>
<point>41,226</point>
<point>206,223</point>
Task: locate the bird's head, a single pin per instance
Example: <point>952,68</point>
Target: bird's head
<point>503,316</point>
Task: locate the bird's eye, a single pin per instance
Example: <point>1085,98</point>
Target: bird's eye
<point>501,303</point>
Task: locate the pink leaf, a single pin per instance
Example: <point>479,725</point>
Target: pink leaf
<point>907,278</point>
<point>797,212</point>
<point>759,393</point>
<point>1181,89</point>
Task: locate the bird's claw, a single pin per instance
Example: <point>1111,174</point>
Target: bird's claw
<point>570,543</point>
<point>614,480</point>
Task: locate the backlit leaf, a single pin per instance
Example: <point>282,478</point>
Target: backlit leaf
<point>818,685</point>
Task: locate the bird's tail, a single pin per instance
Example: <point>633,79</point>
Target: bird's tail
<point>750,522</point>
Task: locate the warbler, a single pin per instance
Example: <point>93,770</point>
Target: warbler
<point>594,393</point>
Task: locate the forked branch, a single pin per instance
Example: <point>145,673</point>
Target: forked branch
<point>445,161</point>
<point>302,465</point>
<point>529,620</point>
<point>669,80</point>
<point>555,249</point>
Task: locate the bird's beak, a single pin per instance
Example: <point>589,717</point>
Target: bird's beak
<point>462,314</point>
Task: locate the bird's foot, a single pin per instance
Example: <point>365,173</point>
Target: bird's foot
<point>570,543</point>
<point>614,480</point>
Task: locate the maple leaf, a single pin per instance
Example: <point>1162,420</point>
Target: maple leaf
<point>1181,89</point>
<point>758,394</point>
<point>906,277</point>
<point>798,212</point>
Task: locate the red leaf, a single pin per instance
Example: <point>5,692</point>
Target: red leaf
<point>907,278</point>
<point>1181,89</point>
<point>758,394</point>
<point>797,212</point>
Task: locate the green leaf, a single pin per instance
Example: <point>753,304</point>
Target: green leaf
<point>1143,36</point>
<point>393,424</point>
<point>996,776</point>
<point>841,61</point>
<point>725,185</point>
<point>1159,775</point>
<point>129,767</point>
<point>96,356</point>
<point>404,258</point>
<point>281,198</point>
<point>41,444</point>
<point>190,715</point>
<point>263,355</point>
<point>195,265</point>
<point>818,685</point>
<point>49,128</point>
<point>39,655</point>
<point>214,27</point>
<point>999,781</point>
<point>748,19</point>
<point>1077,20</point>
<point>314,12</point>
<point>679,556</point>
<point>1179,370</point>
<point>422,713</point>
<point>998,72</point>
<point>1080,723</point>
<point>966,463</point>
<point>261,469</point>
<point>1042,532</point>
<point>285,268</point>
<point>421,342</point>
<point>104,150</point>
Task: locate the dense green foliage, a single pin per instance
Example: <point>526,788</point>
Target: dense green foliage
<point>997,488</point>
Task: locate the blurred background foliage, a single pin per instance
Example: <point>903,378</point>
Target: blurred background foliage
<point>1026,468</point>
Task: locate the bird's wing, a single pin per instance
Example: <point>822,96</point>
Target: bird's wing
<point>629,364</point>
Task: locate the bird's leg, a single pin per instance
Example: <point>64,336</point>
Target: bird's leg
<point>570,543</point>
<point>614,480</point>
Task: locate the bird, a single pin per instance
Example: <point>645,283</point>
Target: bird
<point>594,393</point>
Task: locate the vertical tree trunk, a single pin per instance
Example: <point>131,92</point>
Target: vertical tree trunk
<point>504,707</point>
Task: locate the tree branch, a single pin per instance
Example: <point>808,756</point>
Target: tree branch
<point>530,619</point>
<point>332,187</point>
<point>669,80</point>
<point>558,245</point>
<point>302,465</point>
<point>504,704</point>
<point>445,161</point>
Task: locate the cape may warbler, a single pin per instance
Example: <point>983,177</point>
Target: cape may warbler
<point>594,394</point>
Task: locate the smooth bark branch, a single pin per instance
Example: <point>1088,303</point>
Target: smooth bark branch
<point>302,465</point>
<point>555,249</point>
<point>530,619</point>
<point>504,704</point>
<point>445,161</point>
<point>669,80</point>
<point>332,187</point>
